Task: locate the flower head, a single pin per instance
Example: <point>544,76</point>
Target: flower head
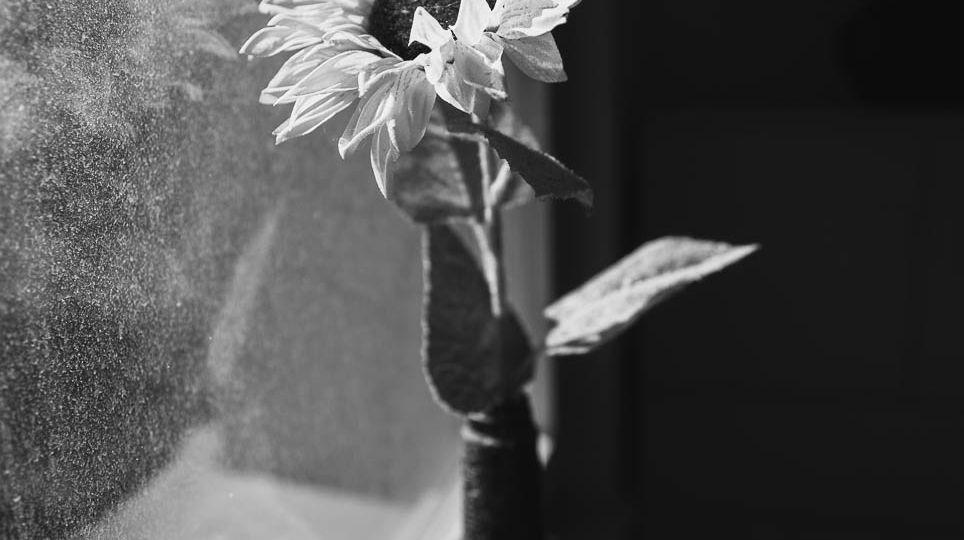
<point>390,59</point>
<point>520,28</point>
<point>339,64</point>
<point>465,73</point>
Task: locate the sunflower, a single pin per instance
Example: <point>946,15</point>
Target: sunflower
<point>522,29</point>
<point>359,53</point>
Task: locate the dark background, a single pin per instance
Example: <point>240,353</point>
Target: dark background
<point>810,392</point>
<point>815,390</point>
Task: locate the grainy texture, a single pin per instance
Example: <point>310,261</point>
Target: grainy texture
<point>163,265</point>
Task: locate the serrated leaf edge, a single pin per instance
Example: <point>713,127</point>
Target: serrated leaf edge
<point>662,286</point>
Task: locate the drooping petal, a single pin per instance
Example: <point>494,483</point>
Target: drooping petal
<point>465,77</point>
<point>289,4</point>
<point>298,24</point>
<point>373,111</point>
<point>339,66</point>
<point>376,73</point>
<point>299,66</point>
<point>383,155</point>
<point>481,68</point>
<point>530,18</point>
<point>273,7</point>
<point>284,125</point>
<point>312,112</point>
<point>289,75</point>
<point>538,57</point>
<point>427,30</point>
<point>315,23</point>
<point>359,37</point>
<point>474,17</point>
<point>272,40</point>
<point>337,74</point>
<point>413,108</point>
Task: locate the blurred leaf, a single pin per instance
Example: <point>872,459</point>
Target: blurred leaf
<point>473,360</point>
<point>505,120</point>
<point>610,302</point>
<point>214,43</point>
<point>547,176</point>
<point>429,182</point>
<point>440,178</point>
<point>513,189</point>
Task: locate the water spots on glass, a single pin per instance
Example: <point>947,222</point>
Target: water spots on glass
<point>142,220</point>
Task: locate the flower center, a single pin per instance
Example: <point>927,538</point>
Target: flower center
<point>390,21</point>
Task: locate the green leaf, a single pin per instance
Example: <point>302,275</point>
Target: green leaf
<point>473,360</point>
<point>612,301</point>
<point>548,177</point>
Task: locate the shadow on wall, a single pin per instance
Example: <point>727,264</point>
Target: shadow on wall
<point>136,167</point>
<point>103,245</point>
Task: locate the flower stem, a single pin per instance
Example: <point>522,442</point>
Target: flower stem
<point>488,232</point>
<point>502,475</point>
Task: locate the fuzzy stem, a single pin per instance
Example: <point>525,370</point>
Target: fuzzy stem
<point>502,475</point>
<point>500,185</point>
<point>488,232</point>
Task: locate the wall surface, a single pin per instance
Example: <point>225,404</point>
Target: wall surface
<point>172,285</point>
<point>816,390</point>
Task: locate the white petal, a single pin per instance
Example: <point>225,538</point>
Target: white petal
<point>296,68</point>
<point>287,77</point>
<point>311,112</point>
<point>338,73</point>
<point>490,48</point>
<point>307,24</point>
<point>383,156</point>
<point>530,18</point>
<point>497,12</point>
<point>376,73</point>
<point>474,18</point>
<point>374,110</point>
<point>271,6</point>
<point>435,62</point>
<point>413,107</point>
<point>276,39</point>
<point>479,70</point>
<point>284,125</point>
<point>359,37</point>
<point>537,57</point>
<point>427,31</point>
<point>465,78</point>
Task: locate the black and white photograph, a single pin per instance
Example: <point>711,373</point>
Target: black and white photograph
<point>481,270</point>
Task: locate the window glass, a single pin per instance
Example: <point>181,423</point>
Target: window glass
<point>203,335</point>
